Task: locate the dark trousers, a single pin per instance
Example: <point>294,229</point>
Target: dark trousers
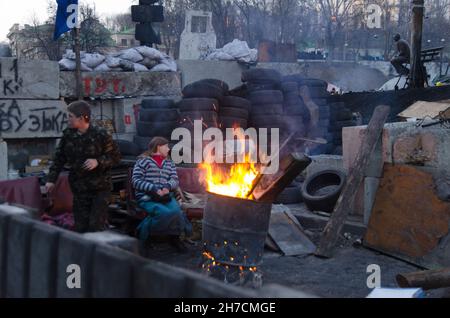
<point>398,62</point>
<point>90,211</point>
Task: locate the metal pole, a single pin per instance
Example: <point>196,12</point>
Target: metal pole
<point>417,76</point>
<point>79,90</point>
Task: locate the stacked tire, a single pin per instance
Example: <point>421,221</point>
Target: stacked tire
<point>295,112</point>
<point>340,117</point>
<point>234,112</point>
<point>157,117</point>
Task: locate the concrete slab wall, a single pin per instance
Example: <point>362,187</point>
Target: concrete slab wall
<point>106,270</point>
<point>28,79</point>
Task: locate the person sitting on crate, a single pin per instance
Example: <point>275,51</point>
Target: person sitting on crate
<point>155,181</point>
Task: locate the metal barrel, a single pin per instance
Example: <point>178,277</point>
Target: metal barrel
<point>235,230</point>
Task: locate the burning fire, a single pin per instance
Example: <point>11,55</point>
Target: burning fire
<point>236,181</point>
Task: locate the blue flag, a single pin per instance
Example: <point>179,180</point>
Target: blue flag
<point>66,17</point>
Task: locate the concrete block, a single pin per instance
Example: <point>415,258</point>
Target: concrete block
<point>43,260</point>
<point>73,249</point>
<point>111,273</point>
<point>158,280</point>
<point>29,79</point>
<point>32,118</point>
<point>3,160</point>
<point>18,257</point>
<point>227,71</point>
<point>351,143</point>
<point>122,241</point>
<point>370,192</point>
<point>323,162</point>
<point>108,85</point>
<point>4,220</point>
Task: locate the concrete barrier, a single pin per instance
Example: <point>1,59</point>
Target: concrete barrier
<point>74,250</point>
<point>122,241</point>
<point>18,257</point>
<point>43,260</point>
<point>35,261</point>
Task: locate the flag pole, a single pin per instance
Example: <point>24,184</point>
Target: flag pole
<point>78,79</point>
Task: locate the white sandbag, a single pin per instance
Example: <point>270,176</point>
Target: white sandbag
<point>67,65</point>
<point>127,66</point>
<point>131,55</point>
<point>150,53</point>
<point>140,68</point>
<point>161,68</point>
<point>149,63</point>
<point>102,68</point>
<point>219,56</point>
<point>237,49</point>
<point>93,60</point>
<point>85,68</point>
<point>112,62</point>
<point>70,54</point>
<point>170,63</point>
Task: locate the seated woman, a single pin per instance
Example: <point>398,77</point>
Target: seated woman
<point>154,179</point>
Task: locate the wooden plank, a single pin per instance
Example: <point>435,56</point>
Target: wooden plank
<point>354,179</point>
<point>425,279</point>
<point>408,219</point>
<point>289,236</point>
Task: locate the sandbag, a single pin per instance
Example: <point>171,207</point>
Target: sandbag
<point>150,53</point>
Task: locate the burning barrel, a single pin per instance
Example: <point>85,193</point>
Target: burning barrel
<point>235,229</point>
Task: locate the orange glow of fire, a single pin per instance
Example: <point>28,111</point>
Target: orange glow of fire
<point>236,181</point>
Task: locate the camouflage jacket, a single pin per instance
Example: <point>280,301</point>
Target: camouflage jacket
<point>74,149</point>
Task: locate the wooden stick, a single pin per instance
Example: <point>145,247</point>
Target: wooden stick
<point>355,177</point>
<point>426,279</point>
<point>79,90</point>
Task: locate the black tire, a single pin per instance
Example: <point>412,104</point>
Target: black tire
<point>296,110</point>
<point>289,87</point>
<point>205,124</point>
<point>209,116</point>
<point>294,124</point>
<point>317,92</point>
<point>220,84</point>
<point>320,180</point>
<point>127,148</point>
<point>267,121</point>
<point>157,103</point>
<point>202,90</point>
<point>152,115</point>
<point>231,122</point>
<point>235,102</point>
<point>234,112</point>
<point>162,128</point>
<point>290,195</point>
<point>297,78</point>
<point>266,97</point>
<point>337,106</point>
<point>256,87</point>
<point>267,109</point>
<point>198,104</point>
<point>261,74</point>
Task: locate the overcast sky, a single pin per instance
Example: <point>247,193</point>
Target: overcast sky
<point>22,11</point>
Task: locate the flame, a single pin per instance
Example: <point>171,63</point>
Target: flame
<point>237,181</point>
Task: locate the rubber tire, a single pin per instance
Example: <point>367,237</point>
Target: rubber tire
<point>266,120</point>
<point>198,104</point>
<point>235,102</point>
<point>202,90</point>
<point>127,148</point>
<point>266,97</point>
<point>319,180</point>
<point>218,83</point>
<point>261,74</point>
<point>290,195</point>
<point>162,128</point>
<point>234,112</point>
<point>256,87</point>
<point>209,116</point>
<point>267,109</point>
<point>312,82</point>
<point>229,122</point>
<point>152,115</point>
<point>289,87</point>
<point>157,103</point>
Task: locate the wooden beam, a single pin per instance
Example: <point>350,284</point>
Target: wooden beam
<point>432,279</point>
<point>355,177</point>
